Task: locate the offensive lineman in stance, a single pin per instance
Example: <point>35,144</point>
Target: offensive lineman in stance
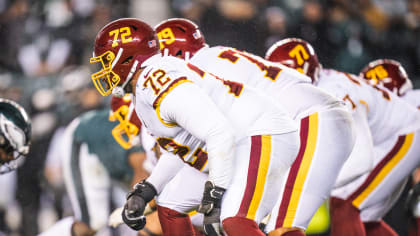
<point>246,141</point>
<point>323,118</point>
<point>358,206</point>
<point>392,75</point>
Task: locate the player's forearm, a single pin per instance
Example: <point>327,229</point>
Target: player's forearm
<point>220,155</point>
<point>166,168</point>
<point>136,161</point>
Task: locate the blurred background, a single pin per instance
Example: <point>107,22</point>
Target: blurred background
<point>46,46</point>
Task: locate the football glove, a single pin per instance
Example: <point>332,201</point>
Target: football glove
<point>137,199</point>
<point>211,206</point>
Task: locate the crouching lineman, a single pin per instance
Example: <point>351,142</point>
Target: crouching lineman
<point>392,75</point>
<point>97,169</point>
<point>248,142</point>
<point>357,207</point>
<point>323,118</point>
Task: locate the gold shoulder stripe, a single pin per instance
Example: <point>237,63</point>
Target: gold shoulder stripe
<point>350,77</point>
<point>162,95</point>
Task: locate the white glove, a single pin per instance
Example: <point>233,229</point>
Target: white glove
<point>115,219</point>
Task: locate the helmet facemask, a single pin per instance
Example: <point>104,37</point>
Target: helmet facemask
<point>105,79</point>
<point>126,132</point>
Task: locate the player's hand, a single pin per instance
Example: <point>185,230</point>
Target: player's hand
<point>413,199</point>
<point>137,199</point>
<point>210,206</point>
<point>133,219</point>
<point>115,219</point>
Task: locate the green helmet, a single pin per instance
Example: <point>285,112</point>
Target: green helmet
<point>15,134</point>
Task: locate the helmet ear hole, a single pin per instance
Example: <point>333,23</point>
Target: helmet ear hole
<point>179,53</point>
<point>127,60</point>
<point>133,27</point>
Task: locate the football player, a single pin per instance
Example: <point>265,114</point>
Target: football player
<point>173,203</point>
<point>323,118</point>
<point>15,141</point>
<point>15,135</point>
<point>99,164</point>
<point>244,140</point>
<point>357,207</point>
<point>392,75</point>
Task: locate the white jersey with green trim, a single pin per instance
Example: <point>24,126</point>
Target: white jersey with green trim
<point>288,87</point>
<point>387,114</point>
<point>173,95</point>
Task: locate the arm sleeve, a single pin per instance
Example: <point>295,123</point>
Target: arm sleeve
<point>192,109</point>
<point>166,168</point>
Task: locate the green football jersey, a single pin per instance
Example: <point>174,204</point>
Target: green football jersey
<point>95,129</point>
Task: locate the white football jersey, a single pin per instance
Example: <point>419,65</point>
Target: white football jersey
<point>413,97</point>
<point>387,114</point>
<point>182,105</point>
<point>291,89</point>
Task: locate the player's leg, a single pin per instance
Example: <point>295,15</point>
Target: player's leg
<point>376,192</point>
<point>345,218</point>
<point>88,185</point>
<point>260,164</point>
<point>197,221</point>
<point>8,183</point>
<point>379,228</point>
<point>373,214</point>
<point>413,204</point>
<point>327,139</point>
<point>179,197</point>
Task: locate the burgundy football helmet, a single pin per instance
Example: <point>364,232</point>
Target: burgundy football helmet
<point>128,128</point>
<point>389,73</point>
<point>121,47</point>
<point>179,37</point>
<point>296,53</point>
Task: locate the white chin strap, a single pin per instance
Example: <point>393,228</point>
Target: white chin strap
<point>118,91</point>
<point>165,52</point>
